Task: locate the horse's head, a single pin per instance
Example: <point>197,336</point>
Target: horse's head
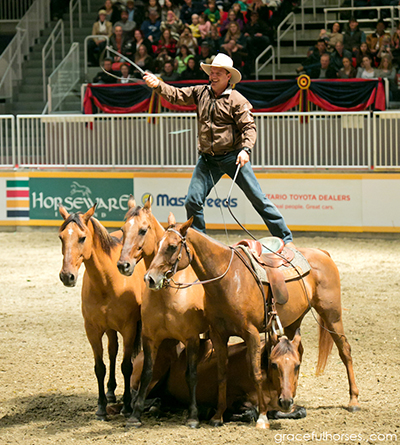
<point>139,237</point>
<point>173,254</point>
<point>284,367</point>
<point>77,240</point>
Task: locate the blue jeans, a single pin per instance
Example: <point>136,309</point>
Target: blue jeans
<point>202,183</point>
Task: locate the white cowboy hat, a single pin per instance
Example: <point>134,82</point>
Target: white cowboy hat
<point>223,61</point>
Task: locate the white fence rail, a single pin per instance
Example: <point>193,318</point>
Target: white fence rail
<point>304,141</point>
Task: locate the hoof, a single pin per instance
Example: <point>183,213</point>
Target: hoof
<point>192,423</point>
<point>133,422</point>
<point>216,422</point>
<point>101,417</point>
<point>353,408</point>
<point>126,412</point>
<point>111,398</point>
<point>262,422</point>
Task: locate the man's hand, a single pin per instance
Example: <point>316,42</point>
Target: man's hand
<point>243,158</point>
<point>151,80</point>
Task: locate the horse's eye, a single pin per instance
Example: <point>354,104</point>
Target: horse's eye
<point>274,366</point>
<point>297,367</point>
<point>171,248</point>
<point>142,232</point>
<point>82,239</point>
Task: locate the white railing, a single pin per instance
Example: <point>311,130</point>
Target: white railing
<point>73,5</point>
<point>7,141</point>
<point>85,50</point>
<point>271,59</point>
<point>317,140</point>
<point>386,153</point>
<point>281,34</point>
<point>64,78</point>
<point>56,34</point>
<point>13,9</point>
<point>303,4</point>
<point>379,9</point>
<point>28,30</point>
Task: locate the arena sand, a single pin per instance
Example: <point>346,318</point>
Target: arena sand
<point>48,387</point>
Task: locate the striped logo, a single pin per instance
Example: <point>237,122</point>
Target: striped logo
<point>17,193</point>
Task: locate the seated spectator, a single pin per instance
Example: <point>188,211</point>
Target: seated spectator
<point>347,71</point>
<point>232,18</point>
<point>160,60</point>
<point>240,7</point>
<point>174,24</point>
<point>260,7</point>
<point>234,33</point>
<point>374,40</point>
<point>121,43</point>
<point>384,50</point>
<point>334,36</point>
<point>151,27</point>
<point>353,37</point>
<point>324,70</point>
<point>395,45</point>
<point>204,27</point>
<point>102,77</point>
<point>113,13</point>
<point>168,42</point>
<point>338,55</point>
<point>194,27</point>
<point>361,52</point>
<point>387,71</point>
<point>212,12</point>
<point>189,8</point>
<point>205,56</point>
<point>314,58</point>
<point>168,74</point>
<point>124,74</point>
<point>169,5</point>
<point>135,14</point>
<point>95,46</point>
<point>143,60</point>
<point>255,34</point>
<point>140,39</point>
<point>153,5</point>
<point>235,52</point>
<point>127,26</point>
<point>188,40</point>
<point>366,71</point>
<point>182,58</point>
<point>192,71</point>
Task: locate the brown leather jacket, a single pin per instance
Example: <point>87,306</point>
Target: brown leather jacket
<point>225,123</point>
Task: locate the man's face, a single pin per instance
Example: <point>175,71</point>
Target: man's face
<point>205,50</point>
<point>353,25</point>
<point>124,16</point>
<point>339,47</point>
<point>324,62</point>
<point>219,78</point>
<point>107,65</point>
<point>118,31</point>
<point>321,46</point>
<point>380,28</point>
<point>168,68</point>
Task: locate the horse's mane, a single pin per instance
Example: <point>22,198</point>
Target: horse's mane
<point>283,347</point>
<point>107,242</point>
<point>134,211</point>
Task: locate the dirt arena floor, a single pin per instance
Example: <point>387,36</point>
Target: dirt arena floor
<point>48,387</point>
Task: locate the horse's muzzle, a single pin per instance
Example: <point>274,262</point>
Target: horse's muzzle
<point>154,283</point>
<point>285,404</point>
<point>126,268</point>
<point>68,279</point>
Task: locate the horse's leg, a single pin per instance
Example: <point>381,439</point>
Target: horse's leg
<point>150,353</point>
<point>112,354</point>
<point>192,353</point>
<point>94,336</point>
<point>333,321</point>
<point>126,369</point>
<point>252,339</point>
<point>220,343</point>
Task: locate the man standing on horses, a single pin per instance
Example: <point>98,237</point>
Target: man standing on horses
<point>227,134</point>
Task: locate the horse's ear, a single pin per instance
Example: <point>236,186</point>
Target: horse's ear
<point>171,219</point>
<point>274,338</point>
<point>63,211</point>
<point>89,213</point>
<point>185,226</point>
<point>131,202</point>
<point>147,204</point>
<point>297,338</point>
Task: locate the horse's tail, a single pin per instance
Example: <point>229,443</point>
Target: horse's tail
<point>137,345</point>
<point>324,347</point>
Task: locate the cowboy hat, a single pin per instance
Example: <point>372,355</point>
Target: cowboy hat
<point>223,61</point>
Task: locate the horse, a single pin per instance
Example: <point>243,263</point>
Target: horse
<point>110,302</point>
<point>172,313</point>
<point>234,304</point>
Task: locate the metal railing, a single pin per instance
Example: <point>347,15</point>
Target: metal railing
<point>271,59</point>
<point>281,34</point>
<point>64,78</point>
<point>72,7</point>
<point>28,30</point>
<point>56,34</point>
<point>303,4</point>
<point>7,141</point>
<point>13,9</point>
<point>386,150</point>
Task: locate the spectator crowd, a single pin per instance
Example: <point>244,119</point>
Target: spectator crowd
<point>172,37</point>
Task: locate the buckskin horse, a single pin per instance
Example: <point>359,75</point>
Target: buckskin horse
<point>110,302</point>
<point>280,364</point>
<point>172,313</point>
<point>234,303</point>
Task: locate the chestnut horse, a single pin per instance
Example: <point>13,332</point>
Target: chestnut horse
<point>110,302</point>
<point>280,369</point>
<point>171,313</point>
<point>234,304</point>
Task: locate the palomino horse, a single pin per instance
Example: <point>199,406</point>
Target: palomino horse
<point>234,304</point>
<point>280,369</point>
<point>169,314</point>
<point>110,302</point>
